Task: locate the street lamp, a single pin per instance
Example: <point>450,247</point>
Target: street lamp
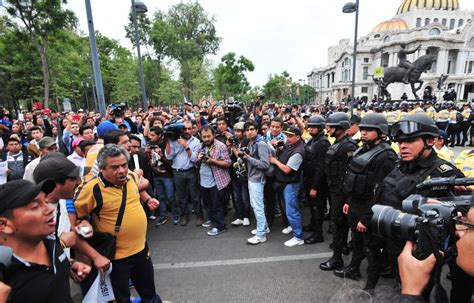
<point>139,7</point>
<point>349,8</point>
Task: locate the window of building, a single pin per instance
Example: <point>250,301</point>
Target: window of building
<point>377,36</point>
<point>435,20</point>
<point>452,23</point>
<point>333,76</point>
<point>471,42</point>
<point>434,32</point>
<point>418,22</point>
<point>365,90</point>
<point>427,21</point>
<point>366,60</point>
<point>366,73</point>
<point>469,67</point>
<point>444,22</point>
<point>460,22</point>
<point>386,39</point>
<point>385,58</point>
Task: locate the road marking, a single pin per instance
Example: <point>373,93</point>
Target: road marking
<point>241,261</point>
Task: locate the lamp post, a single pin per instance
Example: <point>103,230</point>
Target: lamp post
<point>349,8</point>
<point>95,60</point>
<point>139,7</point>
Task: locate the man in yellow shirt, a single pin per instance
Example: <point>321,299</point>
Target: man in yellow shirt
<point>102,198</point>
<point>440,147</point>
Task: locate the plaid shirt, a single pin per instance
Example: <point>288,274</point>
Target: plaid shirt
<point>221,175</point>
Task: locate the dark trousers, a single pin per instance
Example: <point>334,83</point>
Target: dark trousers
<point>186,182</point>
<point>318,208</point>
<point>139,268</point>
<point>454,134</point>
<point>464,130</point>
<point>213,201</point>
<point>241,199</point>
<point>341,224</point>
<point>270,201</point>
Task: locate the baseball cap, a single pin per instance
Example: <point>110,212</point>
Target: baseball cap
<point>239,126</point>
<point>77,141</point>
<point>55,168</point>
<point>293,130</point>
<point>104,127</point>
<point>46,142</point>
<point>19,193</point>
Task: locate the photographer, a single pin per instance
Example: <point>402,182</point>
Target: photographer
<point>239,176</point>
<point>214,178</point>
<point>183,153</point>
<point>415,135</point>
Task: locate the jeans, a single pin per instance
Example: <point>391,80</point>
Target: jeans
<point>290,196</point>
<point>213,201</point>
<point>139,269</point>
<point>187,182</point>
<point>256,200</point>
<point>164,191</point>
<point>241,198</point>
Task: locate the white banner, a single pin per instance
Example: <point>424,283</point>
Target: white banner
<point>101,290</point>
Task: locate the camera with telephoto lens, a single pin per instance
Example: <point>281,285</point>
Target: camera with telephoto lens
<point>118,109</point>
<point>173,131</point>
<point>429,225</point>
<point>233,139</point>
<point>244,150</point>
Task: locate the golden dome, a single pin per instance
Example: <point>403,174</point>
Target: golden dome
<point>393,24</point>
<point>407,5</point>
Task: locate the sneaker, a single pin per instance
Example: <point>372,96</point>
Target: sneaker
<point>254,231</point>
<point>175,220</point>
<point>214,231</point>
<point>256,240</point>
<point>199,222</point>
<point>237,222</point>
<point>287,230</point>
<point>162,221</point>
<point>294,242</point>
<point>208,223</point>
<point>152,217</point>
<point>246,222</point>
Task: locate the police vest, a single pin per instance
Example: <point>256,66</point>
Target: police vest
<point>392,117</point>
<point>443,116</point>
<point>359,180</point>
<point>311,152</point>
<point>466,113</point>
<point>431,112</point>
<point>285,155</point>
<point>336,164</point>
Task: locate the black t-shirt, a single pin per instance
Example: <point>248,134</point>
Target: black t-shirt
<point>37,283</point>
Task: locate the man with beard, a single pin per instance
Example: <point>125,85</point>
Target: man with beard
<point>336,165</point>
<point>315,178</point>
<point>369,166</point>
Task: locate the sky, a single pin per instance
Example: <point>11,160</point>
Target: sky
<point>276,35</point>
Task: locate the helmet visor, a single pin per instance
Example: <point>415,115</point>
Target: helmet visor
<point>405,128</point>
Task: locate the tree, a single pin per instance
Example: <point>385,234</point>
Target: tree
<point>230,76</point>
<point>279,87</point>
<point>40,19</point>
<point>196,37</point>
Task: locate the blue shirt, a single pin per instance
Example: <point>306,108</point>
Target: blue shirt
<point>280,136</point>
<point>179,156</point>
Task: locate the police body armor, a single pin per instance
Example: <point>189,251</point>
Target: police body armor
<point>287,152</point>
<point>359,180</point>
<point>311,152</point>
<point>336,162</point>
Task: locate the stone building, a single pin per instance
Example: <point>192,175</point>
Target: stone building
<point>442,29</point>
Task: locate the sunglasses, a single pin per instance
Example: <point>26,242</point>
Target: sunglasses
<point>462,224</point>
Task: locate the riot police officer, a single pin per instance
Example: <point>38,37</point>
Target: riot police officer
<point>335,167</point>
<point>415,135</point>
<point>370,164</point>
<point>315,182</point>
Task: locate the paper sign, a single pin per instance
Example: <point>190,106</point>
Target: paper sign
<point>135,160</point>
<point>101,290</point>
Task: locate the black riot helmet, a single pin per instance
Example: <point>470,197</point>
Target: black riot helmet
<point>340,120</point>
<point>414,126</point>
<point>375,121</point>
<point>316,121</point>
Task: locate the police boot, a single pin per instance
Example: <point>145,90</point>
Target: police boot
<point>332,264</point>
<point>350,272</point>
<point>314,238</point>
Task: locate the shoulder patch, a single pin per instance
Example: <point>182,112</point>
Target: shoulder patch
<point>443,168</point>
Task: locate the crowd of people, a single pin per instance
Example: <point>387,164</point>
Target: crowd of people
<point>79,188</point>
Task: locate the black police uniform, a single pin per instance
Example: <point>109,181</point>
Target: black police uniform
<point>367,167</point>
<point>335,167</point>
<point>401,182</point>
<point>315,178</point>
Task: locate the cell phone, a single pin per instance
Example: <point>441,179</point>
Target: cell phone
<point>156,114</point>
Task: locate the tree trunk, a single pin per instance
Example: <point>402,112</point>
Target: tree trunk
<point>44,68</point>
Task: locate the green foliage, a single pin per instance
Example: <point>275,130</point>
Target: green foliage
<point>278,88</point>
<point>230,76</point>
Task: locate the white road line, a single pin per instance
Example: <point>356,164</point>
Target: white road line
<point>241,261</point>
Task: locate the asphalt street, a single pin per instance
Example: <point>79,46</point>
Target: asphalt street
<point>191,266</point>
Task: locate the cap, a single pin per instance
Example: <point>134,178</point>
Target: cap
<point>105,127</point>
<point>293,130</point>
<point>239,126</point>
<point>46,142</point>
<point>76,142</point>
<point>19,193</point>
<point>55,168</point>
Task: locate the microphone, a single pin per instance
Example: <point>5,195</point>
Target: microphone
<point>6,254</point>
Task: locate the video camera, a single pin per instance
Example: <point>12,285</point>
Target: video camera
<point>173,131</point>
<point>429,225</point>
<point>118,109</point>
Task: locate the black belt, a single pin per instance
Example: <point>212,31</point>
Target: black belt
<point>182,170</point>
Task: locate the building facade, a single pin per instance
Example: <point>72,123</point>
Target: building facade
<point>439,26</point>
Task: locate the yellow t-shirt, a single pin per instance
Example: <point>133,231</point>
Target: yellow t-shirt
<point>132,235</point>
